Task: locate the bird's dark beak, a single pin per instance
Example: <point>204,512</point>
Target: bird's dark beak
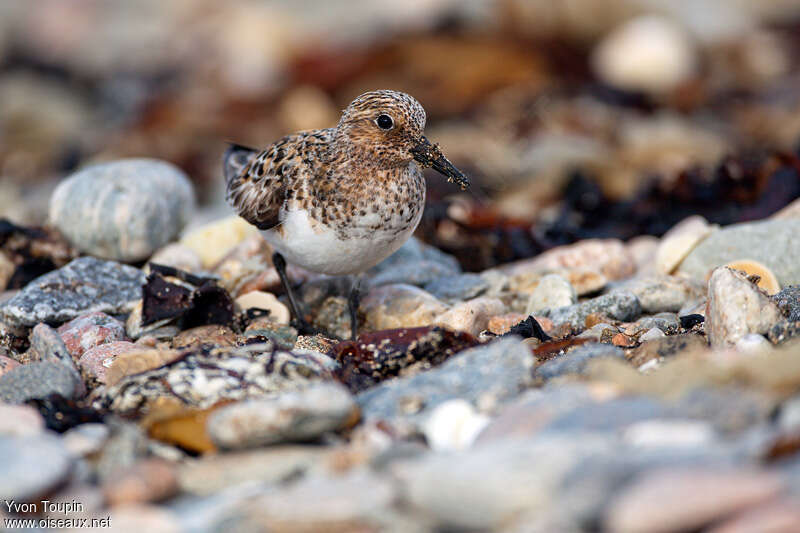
<point>429,155</point>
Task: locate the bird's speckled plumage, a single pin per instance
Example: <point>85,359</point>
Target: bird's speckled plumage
<point>337,200</point>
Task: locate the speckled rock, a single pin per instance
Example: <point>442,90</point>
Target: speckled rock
<point>46,345</point>
<point>485,376</point>
<point>663,293</point>
<point>574,361</point>
<point>32,466</point>
<point>552,292</point>
<point>293,416</point>
<point>471,316</point>
<point>123,210</point>
<point>88,331</point>
<point>736,307</point>
<point>39,380</point>
<point>400,306</point>
<point>84,285</point>
<point>788,301</point>
<point>620,305</point>
<point>773,243</point>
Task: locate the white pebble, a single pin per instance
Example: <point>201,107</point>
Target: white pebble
<point>453,425</point>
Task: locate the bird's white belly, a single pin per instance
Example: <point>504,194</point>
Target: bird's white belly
<point>318,248</point>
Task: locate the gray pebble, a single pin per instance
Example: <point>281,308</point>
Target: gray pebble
<point>575,361</point>
<point>620,305</point>
<point>39,380</point>
<point>31,467</point>
<point>457,288</point>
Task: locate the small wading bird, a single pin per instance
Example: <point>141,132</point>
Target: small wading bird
<point>339,200</point>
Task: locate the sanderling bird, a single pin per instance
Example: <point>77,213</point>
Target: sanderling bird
<point>339,200</point>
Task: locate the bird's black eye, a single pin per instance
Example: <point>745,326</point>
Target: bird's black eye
<point>385,122</point>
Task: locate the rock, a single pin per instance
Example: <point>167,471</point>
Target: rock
<point>212,335</point>
<point>399,306</point>
<point>780,516</point>
<point>453,425</point>
<point>86,439</point>
<point>215,240</point>
<point>123,210</point>
<point>669,433</point>
<point>457,288</point>
<point>679,241</point>
<point>96,361</point>
<point>83,286</point>
<point>32,467</point>
<point>46,345</point>
<point>265,330</point>
<point>773,243</point>
<point>736,307</point>
<point>6,364</point>
<point>788,301</point>
<point>7,269</point>
<point>38,380</point>
<point>203,377</point>
<point>293,416</point>
<point>412,273</point>
<point>767,281</point>
<point>575,360</point>
<point>649,53</point>
<point>20,421</point>
<point>668,346</point>
<point>485,376</point>
<point>753,343</point>
<point>274,464</point>
<point>149,480</point>
<point>651,335</point>
<point>663,293</point>
<point>668,323</point>
<point>620,305</point>
<point>471,316</point>
<point>643,249</point>
<point>686,500</point>
<point>90,330</point>
<point>177,255</point>
<point>608,257</point>
<point>414,251</point>
<point>502,323</point>
<point>278,312</point>
<point>599,332</point>
<point>552,292</point>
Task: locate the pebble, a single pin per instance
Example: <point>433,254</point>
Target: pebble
<point>552,292</point>
<point>293,416</point>
<point>575,360</point>
<point>7,269</point>
<point>38,380</point>
<point>400,306</point>
<point>668,323</point>
<point>451,289</point>
<point>651,335</point>
<point>213,241</point>
<point>773,243</point>
<point>212,335</point>
<point>96,361</point>
<point>177,255</point>
<point>788,301</point>
<point>648,53</point>
<point>278,312</point>
<point>46,345</point>
<point>413,251</point>
<point>663,293</point>
<point>418,273</point>
<point>485,376</point>
<point>471,316</point>
<point>86,439</point>
<point>149,480</point>
<point>789,415</point>
<point>686,500</point>
<point>453,425</point>
<point>619,305</point>
<point>767,281</point>
<point>82,286</point>
<point>779,516</point>
<point>658,433</point>
<point>667,346</point>
<point>753,343</point>
<point>679,241</point>
<point>20,421</point>
<point>90,330</point>
<point>502,323</point>
<point>32,466</point>
<point>736,307</point>
<point>6,364</point>
<point>608,257</point>
<point>123,210</point>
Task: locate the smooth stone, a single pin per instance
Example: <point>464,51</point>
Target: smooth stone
<point>552,292</point>
<point>771,242</point>
<point>575,360</point>
<point>736,307</point>
<point>668,323</point>
<point>486,376</point>
<point>666,501</point>
<point>90,330</point>
<point>663,293</point>
<point>417,273</point>
<point>453,425</point>
<point>649,53</point>
<point>7,269</point>
<point>753,343</point>
<point>651,335</point>
<point>123,210</point>
<point>620,305</point>
<point>32,466</point>
<point>471,316</point>
<point>148,480</point>
<point>86,439</point>
<point>780,516</point>
<point>38,380</point>
<point>679,241</point>
<point>278,312</point>
<point>730,409</point>
<point>20,421</point>
<point>400,306</point>
<point>457,288</point>
<point>274,464</point>
<point>657,433</point>
<point>177,255</point>
<point>99,359</point>
<point>609,257</point>
<point>46,345</point>
<point>413,251</point>
<point>611,416</point>
<point>82,286</point>
<point>213,241</point>
<point>293,416</point>
<point>788,301</point>
<point>789,415</point>
<point>766,280</point>
<point>598,332</point>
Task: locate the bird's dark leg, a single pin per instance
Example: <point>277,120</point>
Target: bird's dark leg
<point>302,325</point>
<point>352,305</point>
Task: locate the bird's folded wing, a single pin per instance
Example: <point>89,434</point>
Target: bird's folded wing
<point>256,185</point>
